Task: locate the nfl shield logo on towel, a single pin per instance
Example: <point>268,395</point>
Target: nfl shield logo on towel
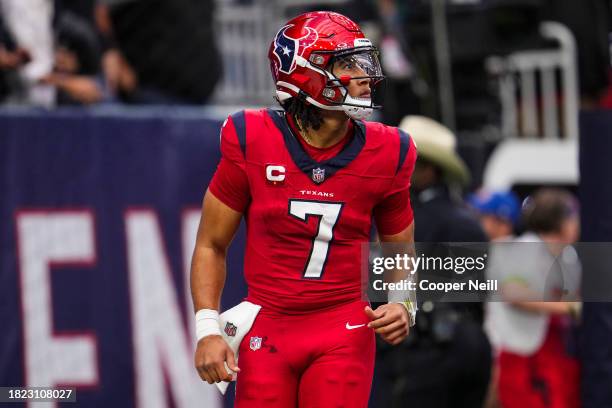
<point>318,175</point>
<point>230,329</point>
<point>255,343</point>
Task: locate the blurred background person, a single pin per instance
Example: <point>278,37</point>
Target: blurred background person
<point>77,73</point>
<point>136,51</point>
<point>446,360</point>
<point>531,327</point>
<point>12,56</point>
<point>161,51</point>
<point>29,22</point>
<point>73,75</point>
<point>499,213</point>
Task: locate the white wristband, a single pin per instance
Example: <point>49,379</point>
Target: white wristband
<point>207,323</point>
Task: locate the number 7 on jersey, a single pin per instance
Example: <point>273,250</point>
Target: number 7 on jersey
<point>328,214</point>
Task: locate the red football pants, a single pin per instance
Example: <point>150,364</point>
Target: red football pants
<point>548,379</point>
<point>307,361</point>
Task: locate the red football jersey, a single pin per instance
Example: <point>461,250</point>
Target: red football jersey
<point>307,220</point>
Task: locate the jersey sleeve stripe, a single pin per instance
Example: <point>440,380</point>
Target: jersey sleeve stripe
<point>239,121</point>
<point>403,149</point>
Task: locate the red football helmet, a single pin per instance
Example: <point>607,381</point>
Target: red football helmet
<point>308,49</point>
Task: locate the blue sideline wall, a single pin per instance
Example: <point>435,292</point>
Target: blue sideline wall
<point>98,213</point>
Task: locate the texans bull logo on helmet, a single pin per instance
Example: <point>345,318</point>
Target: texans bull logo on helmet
<point>287,48</point>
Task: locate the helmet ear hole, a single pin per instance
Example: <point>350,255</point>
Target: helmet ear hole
<point>329,93</point>
<point>317,59</point>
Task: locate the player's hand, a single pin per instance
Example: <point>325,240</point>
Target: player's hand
<point>211,354</point>
<point>390,321</point>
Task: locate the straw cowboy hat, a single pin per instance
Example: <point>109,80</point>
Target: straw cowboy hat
<point>436,143</point>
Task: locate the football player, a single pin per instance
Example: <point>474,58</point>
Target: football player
<point>308,180</point>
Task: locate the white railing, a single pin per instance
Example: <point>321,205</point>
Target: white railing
<point>244,33</point>
<point>522,115</point>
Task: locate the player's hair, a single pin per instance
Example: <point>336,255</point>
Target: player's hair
<point>545,211</point>
<point>305,114</point>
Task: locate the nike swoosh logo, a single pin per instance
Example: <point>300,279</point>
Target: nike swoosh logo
<point>349,327</point>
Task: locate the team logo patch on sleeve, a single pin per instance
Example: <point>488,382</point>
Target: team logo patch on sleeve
<point>255,343</point>
<point>230,329</point>
<point>318,175</point>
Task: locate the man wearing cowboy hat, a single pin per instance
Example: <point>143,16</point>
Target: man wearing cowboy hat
<point>446,363</point>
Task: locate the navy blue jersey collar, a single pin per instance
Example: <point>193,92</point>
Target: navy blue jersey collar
<point>318,172</point>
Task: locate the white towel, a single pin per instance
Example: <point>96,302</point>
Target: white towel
<point>235,323</point>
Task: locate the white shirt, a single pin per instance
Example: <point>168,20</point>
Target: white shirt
<point>528,261</point>
<point>30,24</point>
